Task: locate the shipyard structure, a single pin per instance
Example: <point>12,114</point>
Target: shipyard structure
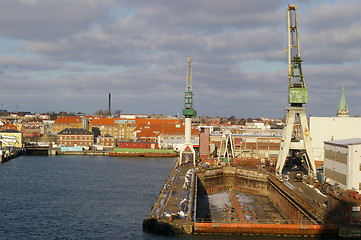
<point>300,182</point>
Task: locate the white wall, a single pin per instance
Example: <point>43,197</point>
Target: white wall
<point>336,166</point>
<point>354,174</point>
<point>332,128</point>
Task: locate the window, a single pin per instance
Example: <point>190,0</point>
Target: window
<point>356,214</point>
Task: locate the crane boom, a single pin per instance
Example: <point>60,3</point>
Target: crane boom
<point>188,110</point>
<point>298,92</point>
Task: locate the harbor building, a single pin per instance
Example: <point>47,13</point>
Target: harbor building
<point>106,141</point>
<point>11,138</point>
<point>32,129</point>
<point>75,137</point>
<point>342,165</point>
<point>120,129</point>
<point>69,122</point>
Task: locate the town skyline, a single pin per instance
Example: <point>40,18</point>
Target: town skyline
<point>137,51</point>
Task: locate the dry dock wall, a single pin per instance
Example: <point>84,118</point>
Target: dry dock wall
<point>218,179</point>
<point>294,208</point>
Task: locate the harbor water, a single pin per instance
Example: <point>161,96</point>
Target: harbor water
<point>82,197</point>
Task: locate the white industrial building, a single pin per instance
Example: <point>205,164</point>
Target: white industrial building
<point>333,128</point>
<point>330,129</point>
<point>342,163</point>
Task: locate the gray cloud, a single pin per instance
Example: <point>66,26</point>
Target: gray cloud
<point>49,19</point>
<point>70,56</point>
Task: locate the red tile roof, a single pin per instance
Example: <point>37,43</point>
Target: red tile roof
<point>63,120</point>
<point>7,125</point>
<point>147,132</point>
<point>104,121</point>
<point>153,121</point>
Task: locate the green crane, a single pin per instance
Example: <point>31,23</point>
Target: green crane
<point>188,113</point>
<point>297,90</point>
<point>188,110</point>
<point>293,142</point>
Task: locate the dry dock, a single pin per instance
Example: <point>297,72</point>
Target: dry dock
<point>232,200</point>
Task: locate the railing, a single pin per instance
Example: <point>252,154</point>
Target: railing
<point>251,221</point>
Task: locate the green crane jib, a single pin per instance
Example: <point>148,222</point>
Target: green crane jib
<point>297,90</point>
<point>188,110</point>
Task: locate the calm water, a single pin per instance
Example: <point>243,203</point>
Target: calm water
<point>81,197</point>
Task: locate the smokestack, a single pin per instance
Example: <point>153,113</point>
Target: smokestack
<point>110,101</point>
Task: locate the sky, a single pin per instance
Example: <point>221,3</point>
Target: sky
<point>68,55</point>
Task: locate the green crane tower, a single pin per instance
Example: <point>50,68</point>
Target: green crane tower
<point>296,141</point>
<point>187,150</point>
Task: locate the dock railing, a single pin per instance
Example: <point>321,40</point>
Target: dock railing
<point>250,221</point>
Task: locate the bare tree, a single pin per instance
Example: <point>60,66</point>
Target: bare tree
<point>102,112</point>
<point>99,112</point>
<point>117,112</point>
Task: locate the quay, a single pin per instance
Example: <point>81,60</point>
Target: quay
<point>91,153</point>
<point>48,149</point>
<point>184,206</point>
<point>141,152</point>
<point>173,211</point>
<point>6,155</point>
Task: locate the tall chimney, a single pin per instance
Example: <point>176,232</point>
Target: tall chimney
<point>110,101</point>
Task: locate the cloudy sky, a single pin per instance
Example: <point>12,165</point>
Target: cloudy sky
<point>67,55</point>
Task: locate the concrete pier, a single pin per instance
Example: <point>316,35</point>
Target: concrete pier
<point>173,211</point>
<point>6,155</point>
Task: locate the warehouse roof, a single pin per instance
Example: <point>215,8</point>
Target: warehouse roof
<point>345,142</point>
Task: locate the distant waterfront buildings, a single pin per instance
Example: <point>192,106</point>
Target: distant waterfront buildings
<point>164,131</point>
